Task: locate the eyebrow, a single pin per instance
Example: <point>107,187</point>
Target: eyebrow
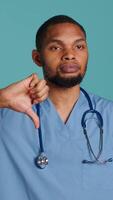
<point>61,42</point>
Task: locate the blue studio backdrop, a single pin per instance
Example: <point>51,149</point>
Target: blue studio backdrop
<point>19,21</point>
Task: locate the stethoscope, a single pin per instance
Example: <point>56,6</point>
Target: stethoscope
<point>41,160</point>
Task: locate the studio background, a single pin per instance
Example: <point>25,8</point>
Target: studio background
<point>19,21</point>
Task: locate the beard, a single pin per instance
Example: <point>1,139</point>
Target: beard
<point>64,82</point>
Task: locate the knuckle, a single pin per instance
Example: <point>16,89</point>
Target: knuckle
<point>42,98</point>
<point>39,95</point>
<point>43,82</point>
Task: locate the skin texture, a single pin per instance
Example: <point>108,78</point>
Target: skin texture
<point>64,43</point>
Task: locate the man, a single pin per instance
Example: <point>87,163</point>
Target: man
<point>75,130</point>
<point>22,95</point>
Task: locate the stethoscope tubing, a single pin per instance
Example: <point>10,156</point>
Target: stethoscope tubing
<point>41,160</point>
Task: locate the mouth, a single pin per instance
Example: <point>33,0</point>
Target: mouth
<point>69,68</point>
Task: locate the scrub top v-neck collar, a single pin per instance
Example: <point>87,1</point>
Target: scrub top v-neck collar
<point>74,119</point>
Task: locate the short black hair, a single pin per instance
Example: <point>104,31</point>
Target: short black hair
<point>52,21</point>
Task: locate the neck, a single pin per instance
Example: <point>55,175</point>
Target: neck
<point>63,97</point>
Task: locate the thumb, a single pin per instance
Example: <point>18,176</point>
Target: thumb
<point>33,116</point>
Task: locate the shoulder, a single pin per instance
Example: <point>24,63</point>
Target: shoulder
<point>100,103</point>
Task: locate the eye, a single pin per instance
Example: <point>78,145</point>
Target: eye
<point>55,48</point>
<point>80,47</point>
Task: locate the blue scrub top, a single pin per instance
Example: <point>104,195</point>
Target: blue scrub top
<point>65,177</point>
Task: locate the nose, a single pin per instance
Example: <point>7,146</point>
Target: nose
<point>68,55</point>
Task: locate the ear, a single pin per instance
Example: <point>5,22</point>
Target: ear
<point>36,57</point>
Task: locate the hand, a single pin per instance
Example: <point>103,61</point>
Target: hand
<point>22,95</point>
<point>39,91</point>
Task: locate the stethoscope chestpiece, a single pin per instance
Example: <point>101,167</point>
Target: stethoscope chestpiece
<point>41,161</point>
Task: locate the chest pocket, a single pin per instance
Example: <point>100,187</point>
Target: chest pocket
<point>99,176</point>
